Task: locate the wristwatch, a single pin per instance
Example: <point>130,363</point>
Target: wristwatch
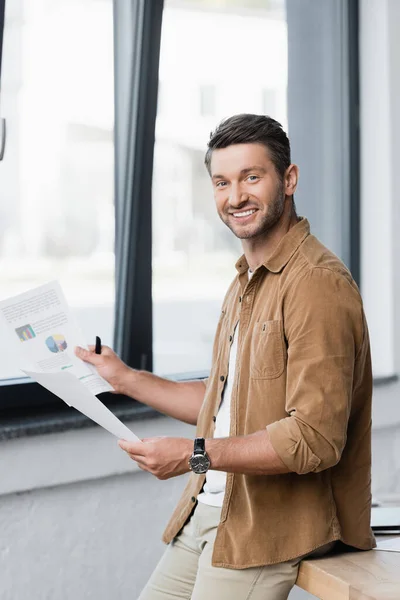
<point>199,462</point>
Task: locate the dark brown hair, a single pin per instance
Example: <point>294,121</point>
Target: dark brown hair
<point>248,129</point>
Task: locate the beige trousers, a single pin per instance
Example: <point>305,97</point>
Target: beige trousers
<point>185,570</point>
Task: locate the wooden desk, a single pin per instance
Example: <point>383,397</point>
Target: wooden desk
<point>372,575</point>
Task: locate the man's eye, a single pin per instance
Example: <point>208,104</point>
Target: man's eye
<point>221,184</point>
<point>252,178</point>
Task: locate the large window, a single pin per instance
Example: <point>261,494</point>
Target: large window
<point>90,152</point>
<point>217,59</point>
<point>57,175</point>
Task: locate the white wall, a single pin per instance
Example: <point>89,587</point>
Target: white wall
<point>380,210</point>
<point>377,193</point>
<point>78,519</point>
<point>95,539</point>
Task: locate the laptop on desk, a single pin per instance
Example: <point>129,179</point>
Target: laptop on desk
<point>385,519</point>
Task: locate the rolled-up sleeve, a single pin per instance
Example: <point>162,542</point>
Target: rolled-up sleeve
<point>324,330</point>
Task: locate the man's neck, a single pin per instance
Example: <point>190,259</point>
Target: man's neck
<point>257,250</point>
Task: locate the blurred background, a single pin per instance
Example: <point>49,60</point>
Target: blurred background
<point>77,519</point>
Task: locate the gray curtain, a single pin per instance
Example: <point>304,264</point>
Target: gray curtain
<point>319,111</point>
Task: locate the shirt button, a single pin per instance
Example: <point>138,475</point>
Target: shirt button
<point>193,499</point>
<point>214,419</point>
<point>240,298</point>
<point>222,378</point>
<point>230,338</point>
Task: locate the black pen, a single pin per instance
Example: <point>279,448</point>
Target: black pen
<point>98,345</point>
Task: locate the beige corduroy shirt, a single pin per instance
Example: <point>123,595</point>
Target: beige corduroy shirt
<point>303,371</point>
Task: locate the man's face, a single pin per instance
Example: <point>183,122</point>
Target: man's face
<point>248,191</point>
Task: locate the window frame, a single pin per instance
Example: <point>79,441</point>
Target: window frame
<point>137,27</point>
<point>353,24</point>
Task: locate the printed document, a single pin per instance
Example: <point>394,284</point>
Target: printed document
<point>41,332</point>
<point>70,389</point>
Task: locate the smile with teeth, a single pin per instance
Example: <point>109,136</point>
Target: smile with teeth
<point>245,213</point>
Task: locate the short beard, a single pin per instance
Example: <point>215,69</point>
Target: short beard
<point>268,221</point>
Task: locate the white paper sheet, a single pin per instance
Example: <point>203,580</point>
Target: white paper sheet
<point>42,333</point>
<point>39,330</point>
<point>74,393</point>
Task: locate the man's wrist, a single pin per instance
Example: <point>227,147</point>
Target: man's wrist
<point>125,380</point>
<point>187,453</point>
<point>212,449</point>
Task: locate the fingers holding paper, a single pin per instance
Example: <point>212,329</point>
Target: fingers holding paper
<point>108,364</point>
<point>162,457</point>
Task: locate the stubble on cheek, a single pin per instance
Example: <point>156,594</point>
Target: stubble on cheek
<point>264,220</point>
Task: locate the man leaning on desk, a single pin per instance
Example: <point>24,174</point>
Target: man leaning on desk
<point>281,465</point>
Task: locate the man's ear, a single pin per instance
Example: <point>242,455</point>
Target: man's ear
<point>291,178</point>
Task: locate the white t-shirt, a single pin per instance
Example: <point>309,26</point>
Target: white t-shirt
<point>214,487</point>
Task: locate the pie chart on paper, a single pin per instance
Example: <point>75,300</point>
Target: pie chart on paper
<point>56,343</point>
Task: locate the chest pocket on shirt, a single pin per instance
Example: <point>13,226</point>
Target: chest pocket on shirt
<point>267,357</point>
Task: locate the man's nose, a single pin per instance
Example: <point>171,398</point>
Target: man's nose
<point>236,197</point>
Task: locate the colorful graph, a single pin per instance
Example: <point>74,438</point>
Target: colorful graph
<point>25,333</point>
<point>56,343</point>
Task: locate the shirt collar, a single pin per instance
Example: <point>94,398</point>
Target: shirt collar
<point>284,250</point>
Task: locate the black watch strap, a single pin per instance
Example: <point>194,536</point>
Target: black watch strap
<point>199,446</point>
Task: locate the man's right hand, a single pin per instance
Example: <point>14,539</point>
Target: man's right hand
<point>108,365</point>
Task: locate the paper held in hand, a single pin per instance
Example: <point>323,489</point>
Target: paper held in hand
<point>41,333</point>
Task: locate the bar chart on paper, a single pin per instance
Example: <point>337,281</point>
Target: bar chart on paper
<point>25,333</point>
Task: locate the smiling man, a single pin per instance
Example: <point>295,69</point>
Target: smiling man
<point>281,463</point>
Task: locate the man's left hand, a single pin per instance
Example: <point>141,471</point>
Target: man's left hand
<point>164,457</point>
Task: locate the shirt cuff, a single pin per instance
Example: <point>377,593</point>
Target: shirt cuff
<point>289,444</point>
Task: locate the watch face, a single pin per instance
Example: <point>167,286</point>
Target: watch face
<point>199,463</point>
